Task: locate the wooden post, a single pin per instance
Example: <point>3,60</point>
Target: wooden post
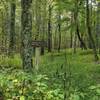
<point>37,58</point>
<point>38,45</point>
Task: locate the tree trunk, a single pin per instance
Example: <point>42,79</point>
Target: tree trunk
<point>26,35</point>
<point>79,37</point>
<point>77,25</point>
<point>71,33</point>
<point>75,42</point>
<point>44,23</point>
<point>98,27</point>
<point>90,32</point>
<point>59,30</point>
<point>12,29</point>
<point>49,31</point>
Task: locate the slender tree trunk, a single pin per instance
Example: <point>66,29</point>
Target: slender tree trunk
<point>38,20</point>
<point>80,39</point>
<point>71,33</point>
<point>59,30</point>
<point>55,36</point>
<point>88,20</point>
<point>90,10</point>
<point>26,35</point>
<point>44,23</point>
<point>98,27</point>
<point>3,32</point>
<point>75,42</point>
<point>77,25</point>
<point>49,31</point>
<point>12,29</point>
<point>7,30</point>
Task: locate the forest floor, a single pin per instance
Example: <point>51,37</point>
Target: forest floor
<point>76,76</point>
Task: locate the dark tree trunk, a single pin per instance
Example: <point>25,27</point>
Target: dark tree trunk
<point>71,33</point>
<point>59,30</point>
<point>80,39</point>
<point>77,25</point>
<point>49,31</point>
<point>12,29</point>
<point>44,23</point>
<point>75,42</point>
<point>98,27</point>
<point>26,35</point>
<point>90,32</point>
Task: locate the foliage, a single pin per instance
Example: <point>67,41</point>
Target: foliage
<point>15,84</point>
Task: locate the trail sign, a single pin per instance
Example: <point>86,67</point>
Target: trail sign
<point>39,43</point>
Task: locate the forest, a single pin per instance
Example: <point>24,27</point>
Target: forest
<point>49,49</point>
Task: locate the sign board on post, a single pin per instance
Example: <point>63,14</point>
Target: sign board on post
<point>38,45</point>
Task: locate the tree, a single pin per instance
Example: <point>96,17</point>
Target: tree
<point>77,31</point>
<point>59,26</point>
<point>49,29</point>
<point>88,20</point>
<point>43,22</point>
<point>12,29</point>
<point>98,26</point>
<point>26,35</point>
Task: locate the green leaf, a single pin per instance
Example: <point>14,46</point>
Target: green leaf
<point>98,91</point>
<point>92,87</point>
<point>22,98</point>
<point>76,97</point>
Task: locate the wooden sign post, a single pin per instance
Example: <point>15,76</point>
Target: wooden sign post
<point>37,57</point>
<point>38,45</point>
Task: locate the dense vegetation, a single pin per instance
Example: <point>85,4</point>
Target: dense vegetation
<point>49,49</point>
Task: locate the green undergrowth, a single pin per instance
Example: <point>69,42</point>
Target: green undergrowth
<point>79,71</point>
